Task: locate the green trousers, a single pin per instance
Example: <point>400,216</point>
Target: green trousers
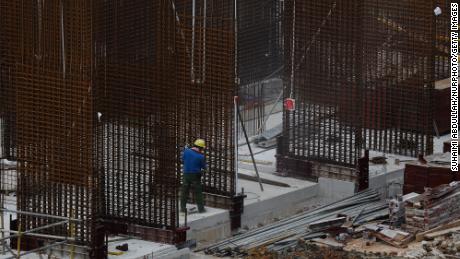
<point>191,180</point>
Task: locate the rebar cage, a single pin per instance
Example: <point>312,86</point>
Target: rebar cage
<point>362,75</point>
<point>96,112</point>
<point>322,73</point>
<point>208,70</point>
<point>398,76</point>
<point>7,91</point>
<point>107,95</point>
<point>52,75</point>
<point>136,64</point>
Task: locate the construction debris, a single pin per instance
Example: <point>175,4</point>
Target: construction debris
<point>397,211</point>
<point>327,223</point>
<point>362,217</point>
<point>420,236</point>
<point>434,207</point>
<point>444,246</point>
<point>393,237</point>
<point>312,250</point>
<point>284,235</point>
<point>269,137</point>
<point>378,160</point>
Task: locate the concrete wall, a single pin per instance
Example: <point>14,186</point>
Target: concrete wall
<point>324,192</point>
<point>331,190</point>
<point>388,184</point>
<point>210,229</point>
<point>266,211</point>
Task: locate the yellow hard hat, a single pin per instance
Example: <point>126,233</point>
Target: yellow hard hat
<point>200,143</point>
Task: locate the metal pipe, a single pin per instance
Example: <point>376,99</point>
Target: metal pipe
<point>61,5</point>
<point>36,229</point>
<point>2,216</point>
<point>38,249</point>
<point>235,123</point>
<point>249,146</point>
<point>41,235</point>
<point>192,69</point>
<point>204,41</point>
<point>62,250</point>
<point>262,127</point>
<point>40,215</point>
<point>292,52</point>
<point>235,22</point>
<point>297,225</point>
<point>9,249</point>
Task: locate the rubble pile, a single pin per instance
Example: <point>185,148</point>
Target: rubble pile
<point>310,250</point>
<point>394,237</point>
<point>447,246</point>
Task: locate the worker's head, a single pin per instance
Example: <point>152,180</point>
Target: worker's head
<point>199,143</point>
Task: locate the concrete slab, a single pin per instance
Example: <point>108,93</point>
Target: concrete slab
<point>137,249</point>
<point>140,249</point>
<point>214,224</point>
<point>262,207</point>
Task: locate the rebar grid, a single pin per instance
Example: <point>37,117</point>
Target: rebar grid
<point>322,73</point>
<point>55,113</point>
<point>137,77</point>
<point>101,90</point>
<point>362,75</point>
<point>398,66</point>
<point>259,40</point>
<point>208,70</point>
<point>8,51</point>
<point>442,60</point>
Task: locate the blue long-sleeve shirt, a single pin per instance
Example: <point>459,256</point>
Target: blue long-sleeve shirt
<point>194,161</point>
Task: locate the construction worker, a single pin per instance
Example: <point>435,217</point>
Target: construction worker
<point>194,164</point>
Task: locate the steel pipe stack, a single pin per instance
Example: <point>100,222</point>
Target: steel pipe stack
<point>286,232</point>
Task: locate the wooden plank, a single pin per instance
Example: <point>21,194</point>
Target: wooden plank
<point>420,236</point>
